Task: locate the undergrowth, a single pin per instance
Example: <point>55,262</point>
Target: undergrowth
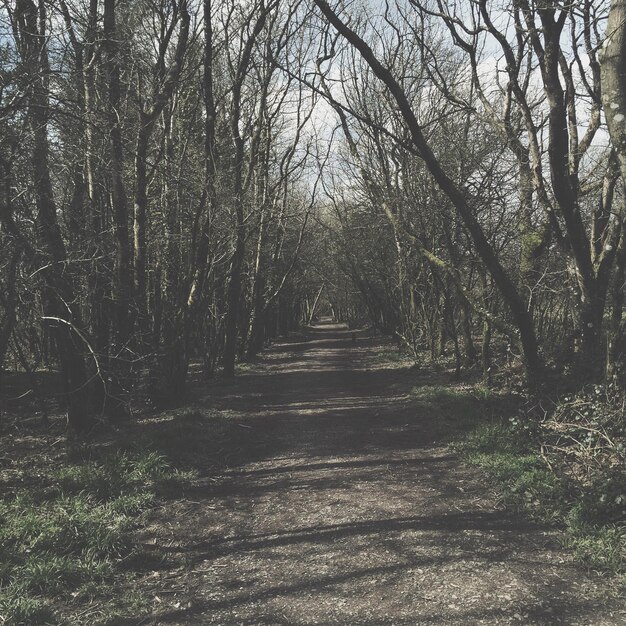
<point>533,474</point>
<point>456,409</point>
<point>61,542</point>
<point>564,466</point>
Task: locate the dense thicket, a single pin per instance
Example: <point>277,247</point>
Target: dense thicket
<point>155,190</point>
<point>476,138</point>
<point>183,181</point>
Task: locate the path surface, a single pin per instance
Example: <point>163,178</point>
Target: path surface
<point>344,509</point>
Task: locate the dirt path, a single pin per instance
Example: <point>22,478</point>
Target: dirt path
<point>339,507</point>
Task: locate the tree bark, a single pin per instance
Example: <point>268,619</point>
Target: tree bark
<point>613,78</point>
<point>166,82</point>
<point>122,291</point>
<point>231,325</point>
<point>61,307</point>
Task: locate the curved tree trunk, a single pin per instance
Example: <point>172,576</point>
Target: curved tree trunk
<point>517,306</point>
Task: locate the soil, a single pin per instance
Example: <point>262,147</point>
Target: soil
<point>335,501</point>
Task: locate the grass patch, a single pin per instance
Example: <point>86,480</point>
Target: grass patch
<point>457,409</point>
<point>388,357</point>
<point>191,438</point>
<point>62,542</point>
<point>68,522</point>
<point>392,356</point>
<point>590,513</point>
<point>598,547</point>
<point>245,367</point>
<point>25,611</point>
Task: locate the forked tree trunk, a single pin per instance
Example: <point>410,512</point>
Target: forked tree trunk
<point>119,363</point>
<point>166,80</point>
<point>174,364</point>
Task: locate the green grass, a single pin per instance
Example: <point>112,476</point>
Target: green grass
<point>24,611</point>
<point>592,512</point>
<point>243,367</point>
<point>598,547</point>
<point>388,357</point>
<point>455,409</point>
<point>63,541</point>
<point>392,356</point>
<point>191,438</point>
<point>114,476</point>
<point>591,515</point>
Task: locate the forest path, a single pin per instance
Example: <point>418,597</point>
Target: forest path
<point>338,505</point>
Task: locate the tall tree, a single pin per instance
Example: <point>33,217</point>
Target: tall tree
<point>61,306</point>
<point>613,72</point>
<point>458,198</point>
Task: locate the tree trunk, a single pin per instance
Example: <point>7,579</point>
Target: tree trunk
<point>61,311</point>
<point>616,348</point>
<point>9,303</point>
<point>231,326</point>
<point>146,127</point>
<point>122,290</point>
<point>516,304</point>
<point>613,78</point>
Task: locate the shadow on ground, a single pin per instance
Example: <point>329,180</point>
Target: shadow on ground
<point>321,395</point>
<point>326,496</point>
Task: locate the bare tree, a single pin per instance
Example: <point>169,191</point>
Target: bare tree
<point>458,198</point>
<point>613,61</point>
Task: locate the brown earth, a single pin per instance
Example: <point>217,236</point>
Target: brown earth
<point>336,502</point>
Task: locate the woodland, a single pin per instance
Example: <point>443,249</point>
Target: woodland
<point>180,182</point>
<point>184,184</point>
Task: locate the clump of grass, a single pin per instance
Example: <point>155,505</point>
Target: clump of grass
<point>65,541</point>
<point>191,438</point>
<point>460,408</point>
<point>392,356</point>
<point>598,547</point>
<point>63,525</point>
<point>591,514</point>
<point>493,437</point>
<point>116,475</point>
<point>389,357</point>
<point>244,367</point>
<point>53,573</point>
<point>25,611</point>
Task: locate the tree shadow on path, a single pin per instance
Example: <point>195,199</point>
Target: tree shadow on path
<point>329,498</point>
